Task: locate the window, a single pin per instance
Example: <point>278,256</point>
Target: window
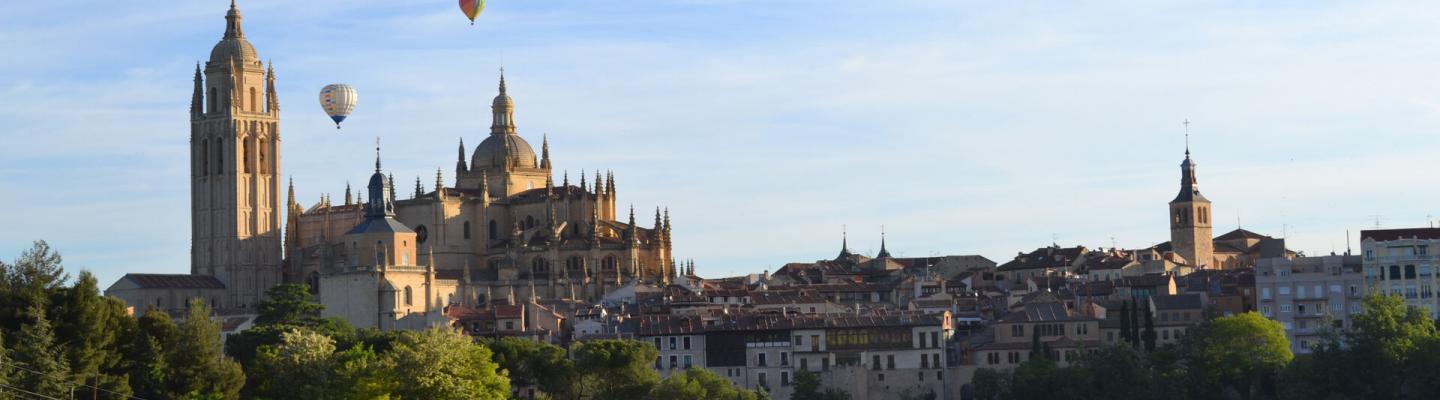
<point>1265,310</point>
<point>541,266</point>
<point>466,229</point>
<point>814,342</point>
<point>875,362</point>
<point>784,378</point>
<point>379,253</point>
<point>214,103</point>
<point>219,157</point>
<point>672,343</point>
<point>1394,272</point>
<point>1300,308</point>
<point>1409,272</point>
<point>764,383</point>
<point>657,343</point>
<point>784,358</point>
<point>992,358</point>
<point>408,299</point>
<point>935,360</point>
<point>673,362</point>
<point>494,231</point>
<point>1300,292</point>
<point>881,377</point>
<point>934,339</point>
<point>798,341</point>
<point>252,100</point>
<point>1017,330</point>
<point>687,343</point>
<point>1284,308</point>
<point>825,364</point>
<point>924,362</point>
<point>890,361</point>
<point>760,360</point>
<point>804,365</point>
<point>608,263</point>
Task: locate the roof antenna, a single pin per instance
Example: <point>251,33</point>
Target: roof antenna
<point>1347,242</point>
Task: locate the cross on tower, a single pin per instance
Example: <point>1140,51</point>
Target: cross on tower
<point>1187,137</point>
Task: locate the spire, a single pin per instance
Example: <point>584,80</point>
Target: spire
<point>419,189</point>
<point>582,181</point>
<point>844,245</point>
<point>630,230</point>
<point>1189,183</point>
<point>565,182</point>
<point>377,154</point>
<point>545,151</point>
<point>290,199</point>
<point>549,186</point>
<point>272,102</point>
<point>232,22</point>
<point>667,225</point>
<point>348,199</point>
<point>883,253</point>
<point>460,160</point>
<point>439,184</point>
<point>659,227</point>
<point>598,183</point>
<point>502,81</point>
<point>392,186</point>
<point>610,183</point>
<point>197,100</point>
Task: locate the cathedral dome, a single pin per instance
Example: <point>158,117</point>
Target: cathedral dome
<point>237,48</point>
<point>497,151</point>
<point>233,44</point>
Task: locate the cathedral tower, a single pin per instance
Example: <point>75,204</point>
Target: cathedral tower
<point>504,160</point>
<point>1190,229</point>
<point>235,169</point>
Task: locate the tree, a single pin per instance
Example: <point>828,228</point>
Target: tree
<point>532,362</point>
<point>1149,335</point>
<point>1240,352</point>
<point>1117,372</point>
<point>361,374</point>
<point>300,367</point>
<point>807,387</point>
<point>990,384</point>
<point>1125,321</point>
<point>443,364</point>
<point>1384,339</point>
<point>701,384</point>
<point>91,327</point>
<point>1134,322</point>
<point>145,355</point>
<point>41,364</point>
<point>616,369</point>
<point>289,304</point>
<point>198,367</point>
<point>27,282</point>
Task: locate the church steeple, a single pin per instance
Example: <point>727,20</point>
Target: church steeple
<point>1190,224</point>
<point>381,203</point>
<point>883,252</point>
<point>460,161</point>
<point>844,246</point>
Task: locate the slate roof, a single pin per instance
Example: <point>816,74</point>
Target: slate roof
<point>1178,301</point>
<point>381,225</point>
<point>174,281</point>
<point>1044,257</point>
<point>1381,235</point>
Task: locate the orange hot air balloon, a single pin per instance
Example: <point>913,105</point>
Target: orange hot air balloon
<point>472,8</point>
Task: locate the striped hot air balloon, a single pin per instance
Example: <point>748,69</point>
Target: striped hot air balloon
<point>338,100</point>
<point>472,9</point>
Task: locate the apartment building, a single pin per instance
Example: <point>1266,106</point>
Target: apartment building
<point>1309,294</point>
<point>1402,262</point>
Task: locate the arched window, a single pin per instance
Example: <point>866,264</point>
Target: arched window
<point>408,299</point>
<point>540,266</point>
<point>575,263</point>
<point>494,231</point>
<point>252,100</point>
<point>379,253</point>
<point>245,153</point>
<point>467,229</point>
<point>608,263</point>
<point>219,157</point>
<point>214,101</point>
<point>313,281</point>
<point>264,168</point>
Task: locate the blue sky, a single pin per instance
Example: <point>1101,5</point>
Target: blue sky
<point>963,127</point>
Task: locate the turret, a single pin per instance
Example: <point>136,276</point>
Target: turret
<point>630,232</point>
<point>545,151</point>
<point>272,101</point>
<point>439,185</point>
<point>419,189</point>
<point>583,189</point>
<point>197,100</point>
<point>348,200</point>
<point>460,168</point>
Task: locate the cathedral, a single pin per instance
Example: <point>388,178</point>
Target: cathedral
<point>502,231</point>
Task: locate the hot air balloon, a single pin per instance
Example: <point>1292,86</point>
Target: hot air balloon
<point>338,100</point>
<point>472,8</point>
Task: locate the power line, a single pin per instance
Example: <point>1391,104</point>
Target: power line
<point>18,366</point>
<point>28,392</point>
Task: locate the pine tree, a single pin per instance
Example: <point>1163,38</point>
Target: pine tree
<point>1035,351</point>
<point>198,368</point>
<point>1149,335</point>
<point>1134,323</point>
<point>91,326</point>
<point>1125,321</point>
<point>41,367</point>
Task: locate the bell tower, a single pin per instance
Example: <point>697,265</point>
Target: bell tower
<point>1191,234</point>
<point>235,169</point>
